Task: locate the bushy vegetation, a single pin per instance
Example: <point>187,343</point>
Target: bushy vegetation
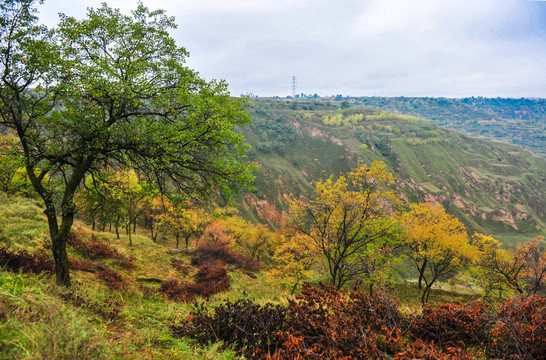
<point>328,323</point>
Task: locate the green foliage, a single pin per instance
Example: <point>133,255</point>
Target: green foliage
<point>10,161</point>
<point>518,121</point>
<point>112,91</point>
<point>37,325</point>
<point>22,223</point>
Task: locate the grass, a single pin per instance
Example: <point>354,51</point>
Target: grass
<point>39,320</point>
<point>22,223</point>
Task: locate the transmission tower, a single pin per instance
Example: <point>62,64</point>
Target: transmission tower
<point>294,82</point>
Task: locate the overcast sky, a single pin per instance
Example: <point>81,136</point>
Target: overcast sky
<point>451,48</point>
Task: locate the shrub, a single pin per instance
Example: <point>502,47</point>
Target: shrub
<point>112,278</point>
<point>327,323</point>
<point>76,264</point>
<point>180,266</point>
<point>176,291</point>
<point>25,262</point>
<point>211,279</point>
<point>427,351</point>
<point>95,249</point>
<point>520,330</point>
<point>209,252</point>
<point>451,325</point>
<point>243,325</point>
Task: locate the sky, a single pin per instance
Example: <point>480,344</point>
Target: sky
<point>439,48</point>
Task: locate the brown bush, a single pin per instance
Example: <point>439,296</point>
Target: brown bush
<point>209,252</point>
<point>95,249</point>
<point>25,262</point>
<point>452,325</point>
<point>243,325</point>
<point>520,329</point>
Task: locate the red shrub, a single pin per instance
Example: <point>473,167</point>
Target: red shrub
<point>326,323</point>
<point>76,264</point>
<point>95,249</point>
<point>25,262</point>
<point>210,252</point>
<point>112,278</point>
<point>211,279</point>
<point>427,351</point>
<point>520,330</point>
<point>176,291</point>
<point>180,266</point>
<point>451,325</point>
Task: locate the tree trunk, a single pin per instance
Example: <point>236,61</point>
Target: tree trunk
<point>62,269</point>
<point>117,226</point>
<point>177,240</point>
<point>128,228</point>
<point>422,274</point>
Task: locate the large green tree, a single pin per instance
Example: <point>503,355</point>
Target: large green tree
<point>112,91</point>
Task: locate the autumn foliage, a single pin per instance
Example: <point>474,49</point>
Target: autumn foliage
<point>208,252</point>
<point>94,249</point>
<point>325,323</point>
<point>25,262</point>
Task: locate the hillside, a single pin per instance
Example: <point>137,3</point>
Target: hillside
<point>491,186</point>
<point>516,121</point>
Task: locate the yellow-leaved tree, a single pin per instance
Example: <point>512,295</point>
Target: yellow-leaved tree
<point>294,258</point>
<point>347,219</point>
<point>438,242</point>
<point>522,269</point>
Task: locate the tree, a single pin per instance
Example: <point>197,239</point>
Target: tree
<point>438,243</point>
<point>522,269</point>
<point>293,260</point>
<point>131,194</point>
<point>343,218</point>
<point>112,91</point>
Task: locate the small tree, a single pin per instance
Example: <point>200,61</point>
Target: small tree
<point>174,220</point>
<point>112,91</point>
<point>522,269</point>
<point>293,260</point>
<point>343,218</point>
<point>438,243</point>
<point>132,194</point>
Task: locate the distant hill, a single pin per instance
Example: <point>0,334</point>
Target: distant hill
<point>491,186</point>
<point>517,121</point>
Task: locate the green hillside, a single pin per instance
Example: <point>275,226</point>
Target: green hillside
<point>516,121</point>
<point>491,186</point>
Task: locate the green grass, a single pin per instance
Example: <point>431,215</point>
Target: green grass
<point>22,223</point>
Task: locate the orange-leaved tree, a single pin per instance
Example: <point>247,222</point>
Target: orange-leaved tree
<point>344,219</point>
<point>438,242</point>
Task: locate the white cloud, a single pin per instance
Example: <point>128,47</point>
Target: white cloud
<point>386,47</point>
